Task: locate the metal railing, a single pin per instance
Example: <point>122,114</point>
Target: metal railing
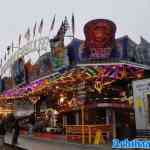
<point>87,133</point>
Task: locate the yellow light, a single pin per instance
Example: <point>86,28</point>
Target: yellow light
<point>69,103</point>
<point>61,100</point>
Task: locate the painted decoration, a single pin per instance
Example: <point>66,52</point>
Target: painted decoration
<point>99,86</point>
<point>139,103</point>
<point>18,71</point>
<point>32,71</point>
<point>59,54</point>
<point>45,64</point>
<point>73,51</point>
<point>42,67</point>
<point>100,37</point>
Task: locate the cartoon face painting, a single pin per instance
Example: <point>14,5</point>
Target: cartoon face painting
<point>100,36</point>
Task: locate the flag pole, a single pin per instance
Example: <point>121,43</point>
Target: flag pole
<point>52,25</point>
<point>39,47</point>
<point>73,25</point>
<point>34,31</point>
<point>40,38</point>
<point>40,33</point>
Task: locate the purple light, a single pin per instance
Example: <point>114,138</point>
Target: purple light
<point>23,90</point>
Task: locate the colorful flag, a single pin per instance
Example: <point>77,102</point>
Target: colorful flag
<point>60,33</point>
<point>12,46</point>
<point>1,62</point>
<point>66,24</point>
<point>27,34</point>
<point>40,27</point>
<point>53,23</point>
<point>63,29</point>
<point>73,24</point>
<point>5,57</point>
<point>19,41</point>
<point>8,50</point>
<point>34,30</point>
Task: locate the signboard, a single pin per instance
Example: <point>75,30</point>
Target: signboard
<point>100,38</point>
<point>141,94</point>
<point>101,45</point>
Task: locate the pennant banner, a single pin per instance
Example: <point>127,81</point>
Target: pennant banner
<point>27,35</point>
<point>8,50</point>
<point>12,46</point>
<point>53,23</point>
<point>73,24</point>
<point>40,27</point>
<point>34,30</point>
<point>19,41</point>
<point>5,56</point>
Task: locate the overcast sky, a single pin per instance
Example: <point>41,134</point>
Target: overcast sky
<point>132,17</point>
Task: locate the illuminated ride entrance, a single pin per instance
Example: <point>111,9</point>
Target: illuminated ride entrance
<point>86,84</point>
<point>99,97</point>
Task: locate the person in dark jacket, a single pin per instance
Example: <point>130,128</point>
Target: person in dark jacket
<point>16,132</point>
<point>2,133</point>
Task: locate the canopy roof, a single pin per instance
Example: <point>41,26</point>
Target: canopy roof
<point>106,73</point>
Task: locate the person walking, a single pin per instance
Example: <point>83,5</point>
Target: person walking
<point>16,132</point>
<point>30,129</point>
<point>2,134</point>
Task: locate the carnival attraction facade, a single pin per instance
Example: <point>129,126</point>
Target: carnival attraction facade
<point>87,82</point>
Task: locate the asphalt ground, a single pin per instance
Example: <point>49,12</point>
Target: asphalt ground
<point>11,147</point>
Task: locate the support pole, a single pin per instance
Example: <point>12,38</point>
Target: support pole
<point>114,123</point>
<point>83,133</point>
<point>108,122</point>
<point>35,111</point>
<point>90,136</point>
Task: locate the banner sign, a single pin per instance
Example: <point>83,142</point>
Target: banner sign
<point>141,93</point>
<point>100,44</point>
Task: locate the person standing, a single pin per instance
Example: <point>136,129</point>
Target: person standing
<point>16,132</point>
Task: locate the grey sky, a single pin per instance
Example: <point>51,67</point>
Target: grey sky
<point>132,17</point>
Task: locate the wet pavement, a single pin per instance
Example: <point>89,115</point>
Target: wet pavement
<point>10,147</point>
<point>39,144</point>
